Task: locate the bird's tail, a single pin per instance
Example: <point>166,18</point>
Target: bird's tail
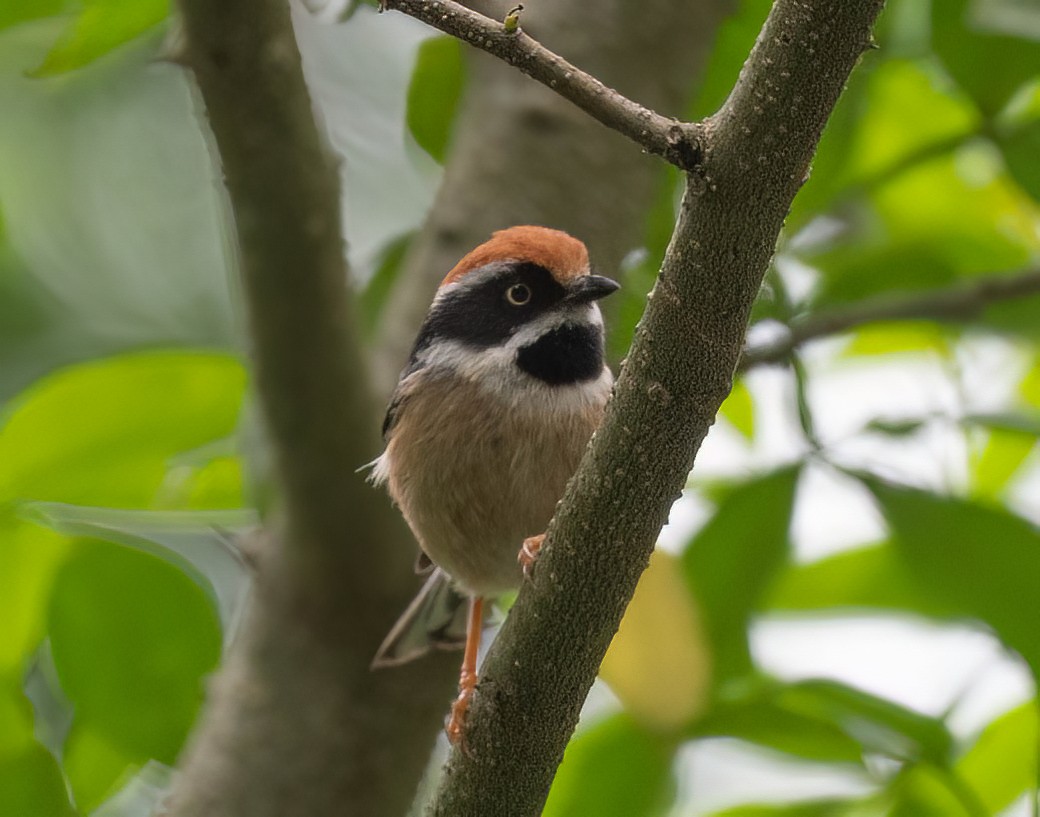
<point>436,618</point>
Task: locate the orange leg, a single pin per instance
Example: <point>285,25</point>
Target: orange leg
<point>468,676</point>
<point>529,553</point>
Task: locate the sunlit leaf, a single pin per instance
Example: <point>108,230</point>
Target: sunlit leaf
<point>982,561</point>
<point>925,791</point>
<point>739,409</point>
<point>18,11</point>
<point>434,94</point>
<point>29,558</point>
<point>137,410</point>
<point>1003,761</point>
<point>613,769</point>
<point>1001,458</point>
<point>733,559</point>
<point>658,663</point>
<point>100,27</point>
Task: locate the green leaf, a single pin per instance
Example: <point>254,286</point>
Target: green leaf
<point>739,409</point>
<point>615,768</point>
<point>199,543</point>
<point>878,725</point>
<point>869,577</point>
<point>809,808</point>
<point>1001,458</point>
<point>1027,424</point>
<point>927,791</point>
<point>1002,763</point>
<point>762,720</point>
<point>101,27</point>
<point>132,639</point>
<point>102,433</point>
<point>1020,147</point>
<point>988,65</point>
<point>984,562</point>
<point>374,296</point>
<point>31,784</point>
<point>434,94</point>
<point>826,721</point>
<point>13,12</point>
<point>29,560</point>
<point>733,559</point>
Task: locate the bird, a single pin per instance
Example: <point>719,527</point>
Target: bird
<point>504,387</point>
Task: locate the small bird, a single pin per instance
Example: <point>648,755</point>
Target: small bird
<point>504,387</point>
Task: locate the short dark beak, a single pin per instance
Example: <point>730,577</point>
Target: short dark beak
<point>589,288</point>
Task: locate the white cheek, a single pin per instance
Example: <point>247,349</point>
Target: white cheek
<point>495,371</point>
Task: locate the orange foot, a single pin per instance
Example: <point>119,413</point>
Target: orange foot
<point>457,722</point>
<point>529,553</point>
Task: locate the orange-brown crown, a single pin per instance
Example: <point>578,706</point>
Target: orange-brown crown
<point>563,255</point>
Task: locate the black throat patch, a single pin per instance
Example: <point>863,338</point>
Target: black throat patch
<point>571,353</point>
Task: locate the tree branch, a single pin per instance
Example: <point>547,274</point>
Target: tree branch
<point>957,303</point>
<point>679,370</point>
<point>677,142</point>
<point>296,722</point>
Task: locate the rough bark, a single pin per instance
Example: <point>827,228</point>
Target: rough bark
<point>679,370</point>
<point>297,724</point>
<point>522,154</point>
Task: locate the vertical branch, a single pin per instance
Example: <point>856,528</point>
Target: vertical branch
<point>296,722</point>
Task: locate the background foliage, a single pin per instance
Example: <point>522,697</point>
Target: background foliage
<point>887,475</point>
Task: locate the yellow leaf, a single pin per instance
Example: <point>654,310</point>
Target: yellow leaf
<point>659,664</point>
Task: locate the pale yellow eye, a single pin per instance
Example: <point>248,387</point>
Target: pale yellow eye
<point>518,294</point>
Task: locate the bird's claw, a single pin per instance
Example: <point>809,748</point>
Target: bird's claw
<point>528,554</point>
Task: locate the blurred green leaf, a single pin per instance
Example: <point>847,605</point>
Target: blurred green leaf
<point>763,721</point>
<point>925,791</point>
<point>101,433</point>
<point>733,559</point>
<point>96,765</point>
<point>906,427</point>
<point>952,217</point>
<point>142,795</point>
<point>374,296</point>
<point>982,561</point>
<point>13,12</point>
<point>739,409</point>
<point>1027,424</point>
<point>827,721</point>
<point>811,808</point>
<point>1001,458</point>
<point>1003,762</point>
<point>199,543</point>
<point>734,40</point>
<point>132,639</point>
<point>29,558</point>
<point>988,65</point>
<point>1020,147</point>
<point>31,784</point>
<point>434,93</point>
<point>869,577</point>
<point>615,768</point>
<point>877,724</point>
<point>100,27</point>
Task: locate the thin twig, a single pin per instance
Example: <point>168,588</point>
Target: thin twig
<point>677,142</point>
<point>957,303</point>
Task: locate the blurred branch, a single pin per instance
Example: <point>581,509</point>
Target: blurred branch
<point>757,151</point>
<point>677,142</point>
<point>296,722</point>
<point>957,303</point>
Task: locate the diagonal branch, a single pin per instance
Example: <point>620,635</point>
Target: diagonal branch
<point>678,143</point>
<point>957,303</point>
<point>757,151</point>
